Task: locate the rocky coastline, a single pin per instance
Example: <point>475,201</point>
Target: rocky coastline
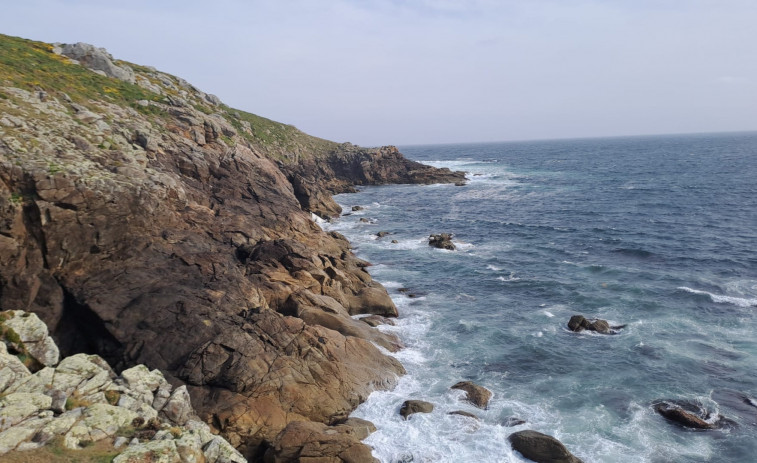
<point>147,223</point>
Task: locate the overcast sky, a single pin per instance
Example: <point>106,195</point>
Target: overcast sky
<point>380,72</point>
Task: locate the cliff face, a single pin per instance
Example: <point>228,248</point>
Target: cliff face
<point>146,222</point>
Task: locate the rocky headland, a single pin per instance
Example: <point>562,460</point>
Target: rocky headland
<point>147,223</point>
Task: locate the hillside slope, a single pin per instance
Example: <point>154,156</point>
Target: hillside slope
<point>146,222</point>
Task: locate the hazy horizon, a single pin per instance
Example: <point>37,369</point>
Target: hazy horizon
<point>436,72</point>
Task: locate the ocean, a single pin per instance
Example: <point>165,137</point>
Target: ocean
<point>655,233</point>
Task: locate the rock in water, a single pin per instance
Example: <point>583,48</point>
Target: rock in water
<point>541,448</point>
<point>579,323</point>
<point>441,241</point>
<point>690,415</point>
<point>475,394</point>
<point>415,406</point>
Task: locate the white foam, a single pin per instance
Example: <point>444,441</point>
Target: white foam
<point>511,277</point>
<point>493,268</point>
<point>549,314</point>
<point>738,301</point>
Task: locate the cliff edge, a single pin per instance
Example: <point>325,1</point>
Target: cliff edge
<point>146,222</point>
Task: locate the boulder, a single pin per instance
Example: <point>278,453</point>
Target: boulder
<point>541,448</point>
<point>372,300</point>
<point>382,234</point>
<point>578,323</point>
<point>376,320</point>
<point>34,335</point>
<point>358,427</point>
<point>303,441</point>
<point>441,241</point>
<point>357,208</point>
<point>475,394</point>
<point>97,59</point>
<point>410,407</point>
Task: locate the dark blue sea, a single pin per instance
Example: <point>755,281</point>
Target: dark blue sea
<point>655,233</point>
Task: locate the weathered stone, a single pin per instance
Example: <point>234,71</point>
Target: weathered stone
<point>541,448</point>
<point>475,394</point>
<point>689,415</point>
<point>34,335</point>
<point>97,59</point>
<point>357,427</point>
<point>464,413</point>
<point>18,406</point>
<point>178,409</point>
<point>12,370</point>
<point>579,323</point>
<point>161,451</point>
<point>410,407</point>
<point>220,451</point>
<point>303,441</point>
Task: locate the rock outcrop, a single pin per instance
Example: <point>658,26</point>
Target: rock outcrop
<point>149,224</point>
<point>81,401</point>
<point>541,448</point>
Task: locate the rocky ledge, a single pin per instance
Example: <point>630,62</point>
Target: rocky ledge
<point>147,223</point>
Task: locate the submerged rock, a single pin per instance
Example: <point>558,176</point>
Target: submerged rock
<point>541,448</point>
<point>690,415</point>
<point>410,407</point>
<point>357,208</point>
<point>475,394</point>
<point>442,241</point>
<point>513,421</point>
<point>464,413</point>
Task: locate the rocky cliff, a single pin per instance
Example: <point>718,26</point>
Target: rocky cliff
<point>148,223</point>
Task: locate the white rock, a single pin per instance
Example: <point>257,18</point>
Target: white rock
<point>178,409</point>
<point>220,451</point>
<point>18,406</point>
<point>12,370</point>
<point>162,451</point>
<point>33,333</point>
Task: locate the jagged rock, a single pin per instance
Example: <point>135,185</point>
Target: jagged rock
<point>219,451</point>
<point>541,448</point>
<point>97,59</point>
<point>12,370</point>
<point>304,441</point>
<point>442,241</point>
<point>475,394</point>
<point>410,407</point>
<point>579,323</point>
<point>33,333</point>
<point>178,409</point>
<point>18,406</point>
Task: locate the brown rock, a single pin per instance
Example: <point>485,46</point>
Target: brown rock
<point>304,441</point>
<point>376,320</point>
<point>475,394</point>
<point>579,323</point>
<point>689,415</point>
<point>541,448</point>
<point>410,407</point>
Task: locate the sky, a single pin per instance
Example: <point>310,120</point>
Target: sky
<point>378,72</point>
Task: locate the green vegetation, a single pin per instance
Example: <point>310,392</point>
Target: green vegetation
<point>55,452</point>
<point>112,397</point>
<point>75,401</point>
<point>33,66</point>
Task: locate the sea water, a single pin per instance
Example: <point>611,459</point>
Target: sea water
<point>655,233</point>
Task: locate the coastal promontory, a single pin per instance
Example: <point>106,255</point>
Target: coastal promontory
<point>146,222</point>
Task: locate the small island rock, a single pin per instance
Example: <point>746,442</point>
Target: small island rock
<point>441,241</point>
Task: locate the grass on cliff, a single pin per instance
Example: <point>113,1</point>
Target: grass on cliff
<point>33,66</point>
<point>55,452</point>
<point>283,142</point>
